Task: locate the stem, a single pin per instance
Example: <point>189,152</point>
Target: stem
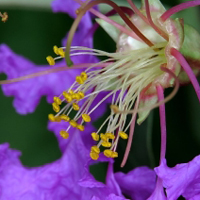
<point>157,29</point>
<point>160,93</point>
<point>178,8</point>
<point>86,8</point>
<point>180,58</point>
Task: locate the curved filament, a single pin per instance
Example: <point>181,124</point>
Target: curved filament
<point>86,8</point>
<point>169,97</point>
<point>157,29</point>
<point>178,8</point>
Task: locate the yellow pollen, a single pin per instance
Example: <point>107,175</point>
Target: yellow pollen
<point>110,154</point>
<point>64,134</point>
<point>84,76</point>
<point>71,91</point>
<point>4,16</point>
<point>73,123</point>
<point>57,100</point>
<point>61,52</point>
<point>75,106</point>
<point>110,136</point>
<point>65,118</point>
<point>94,155</point>
<point>67,96</point>
<point>56,107</point>
<point>55,49</point>
<point>76,96</point>
<point>80,127</point>
<point>58,119</point>
<point>79,80</point>
<point>50,60</point>
<point>114,108</point>
<point>106,144</point>
<point>86,117</point>
<point>123,135</point>
<point>81,94</point>
<point>51,117</point>
<point>103,137</point>
<point>95,149</point>
<point>95,136</point>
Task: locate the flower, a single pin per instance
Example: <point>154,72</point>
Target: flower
<point>183,179</point>
<point>58,180</point>
<point>147,61</point>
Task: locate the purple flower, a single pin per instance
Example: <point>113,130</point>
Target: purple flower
<point>62,179</point>
<point>183,179</point>
<point>138,183</point>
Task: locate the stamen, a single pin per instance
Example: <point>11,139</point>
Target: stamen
<point>169,97</point>
<point>82,12</point>
<point>4,16</point>
<point>157,29</point>
<point>178,8</point>
<point>187,69</point>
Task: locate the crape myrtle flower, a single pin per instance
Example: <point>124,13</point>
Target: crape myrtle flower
<point>62,179</point>
<point>183,179</point>
<point>152,55</point>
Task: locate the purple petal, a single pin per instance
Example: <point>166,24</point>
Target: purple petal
<point>183,179</point>
<point>110,197</point>
<point>59,180</point>
<point>138,183</point>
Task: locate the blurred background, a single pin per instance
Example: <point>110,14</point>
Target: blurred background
<point>32,30</point>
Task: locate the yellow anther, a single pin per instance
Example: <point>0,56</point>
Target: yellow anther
<point>50,60</point>
<point>73,123</point>
<point>56,107</point>
<point>110,136</point>
<point>51,117</point>
<point>80,127</point>
<point>57,100</point>
<point>58,119</point>
<point>79,80</point>
<point>65,118</point>
<point>106,144</point>
<point>64,134</point>
<point>84,76</point>
<point>123,135</point>
<point>114,108</point>
<point>110,154</point>
<point>94,155</point>
<point>75,106</point>
<point>103,137</point>
<point>55,49</point>
<point>67,96</point>
<point>4,16</point>
<point>71,91</point>
<point>86,117</point>
<point>95,136</point>
<point>95,149</point>
<point>77,11</point>
<point>61,52</point>
<point>76,96</point>
<point>114,154</point>
<point>81,94</point>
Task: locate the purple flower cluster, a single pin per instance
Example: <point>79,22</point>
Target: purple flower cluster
<point>69,177</point>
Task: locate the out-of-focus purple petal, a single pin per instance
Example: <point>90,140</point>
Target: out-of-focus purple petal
<point>183,179</point>
<point>59,180</point>
<point>110,197</point>
<point>138,183</point>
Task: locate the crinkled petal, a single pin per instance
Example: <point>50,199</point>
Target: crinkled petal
<point>58,180</point>
<point>138,183</point>
<point>183,179</point>
<point>110,197</point>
